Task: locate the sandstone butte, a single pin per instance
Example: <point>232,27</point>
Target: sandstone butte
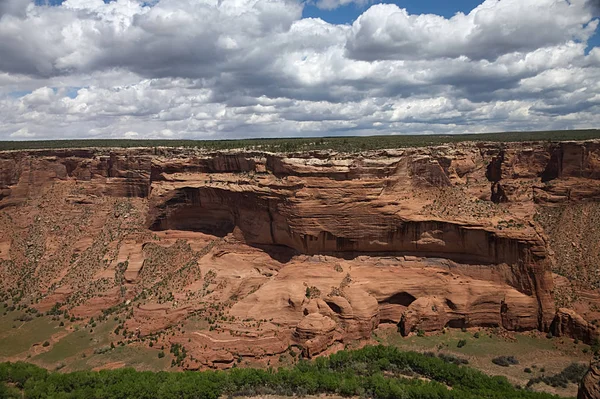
<point>306,249</point>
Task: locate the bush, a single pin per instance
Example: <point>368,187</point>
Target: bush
<point>452,359</point>
<point>476,335</point>
<point>572,373</point>
<point>161,354</point>
<point>102,350</point>
<point>505,361</point>
<point>527,370</point>
<point>45,344</point>
<point>461,343</point>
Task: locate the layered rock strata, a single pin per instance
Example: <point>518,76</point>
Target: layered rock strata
<point>319,247</point>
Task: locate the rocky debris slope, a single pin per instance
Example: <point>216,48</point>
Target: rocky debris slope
<point>305,249</point>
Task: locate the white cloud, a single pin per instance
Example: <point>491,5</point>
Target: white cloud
<point>235,68</point>
<point>22,133</point>
<point>494,28</point>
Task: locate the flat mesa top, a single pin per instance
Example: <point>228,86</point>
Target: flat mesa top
<point>345,144</point>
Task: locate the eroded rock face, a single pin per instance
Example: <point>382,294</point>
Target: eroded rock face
<point>315,333</point>
<point>589,388</point>
<point>568,323</point>
<point>426,314</point>
<point>306,249</point>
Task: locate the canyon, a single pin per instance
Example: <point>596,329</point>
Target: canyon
<point>265,251</point>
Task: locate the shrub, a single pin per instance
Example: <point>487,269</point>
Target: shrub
<point>45,344</point>
<point>505,361</point>
<point>102,350</point>
<point>461,343</point>
<point>572,373</point>
<point>452,359</point>
<point>161,354</point>
<point>527,370</point>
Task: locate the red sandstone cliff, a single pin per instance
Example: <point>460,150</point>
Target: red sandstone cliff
<point>323,247</point>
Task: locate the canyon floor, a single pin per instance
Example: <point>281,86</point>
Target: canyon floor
<point>188,259</point>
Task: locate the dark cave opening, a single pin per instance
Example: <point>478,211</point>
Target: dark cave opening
<point>400,298</point>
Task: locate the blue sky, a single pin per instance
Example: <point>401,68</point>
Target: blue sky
<point>347,14</point>
<point>274,68</point>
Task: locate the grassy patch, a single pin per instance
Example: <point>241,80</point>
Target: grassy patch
<point>17,340</point>
<point>533,351</point>
<point>76,343</point>
<point>488,344</point>
<point>139,358</point>
<point>8,320</point>
<point>196,323</point>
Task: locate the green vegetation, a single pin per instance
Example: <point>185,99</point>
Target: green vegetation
<point>448,358</point>
<point>572,373</point>
<point>487,346</point>
<point>25,334</point>
<point>375,371</point>
<point>75,343</point>
<point>543,356</point>
<point>350,144</point>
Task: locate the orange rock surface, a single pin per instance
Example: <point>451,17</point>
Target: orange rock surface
<point>273,250</point>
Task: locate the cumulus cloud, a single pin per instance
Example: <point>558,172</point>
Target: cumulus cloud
<point>595,7</point>
<point>494,28</point>
<point>236,68</point>
<point>14,7</point>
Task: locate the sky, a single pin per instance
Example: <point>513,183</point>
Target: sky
<point>220,69</point>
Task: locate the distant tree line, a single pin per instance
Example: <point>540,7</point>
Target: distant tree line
<point>337,143</point>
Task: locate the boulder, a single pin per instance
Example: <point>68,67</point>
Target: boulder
<point>425,313</point>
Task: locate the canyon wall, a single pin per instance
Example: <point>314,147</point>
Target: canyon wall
<point>425,238</point>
